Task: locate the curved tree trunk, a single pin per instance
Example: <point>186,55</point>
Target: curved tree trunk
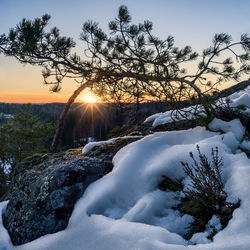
<point>60,123</point>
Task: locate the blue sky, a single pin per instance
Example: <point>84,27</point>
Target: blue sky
<point>191,22</point>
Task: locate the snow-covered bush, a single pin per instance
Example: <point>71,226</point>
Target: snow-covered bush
<point>205,196</point>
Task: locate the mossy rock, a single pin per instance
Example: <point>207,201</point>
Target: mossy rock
<point>42,199</point>
<point>177,125</point>
<point>74,151</point>
<point>30,162</point>
<point>36,159</point>
<point>126,130</point>
<point>106,152</point>
<point>118,131</point>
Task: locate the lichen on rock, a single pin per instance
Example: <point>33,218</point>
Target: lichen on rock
<point>43,197</point>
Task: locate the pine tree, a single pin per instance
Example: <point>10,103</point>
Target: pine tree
<point>23,136</point>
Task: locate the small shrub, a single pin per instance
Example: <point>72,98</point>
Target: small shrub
<point>204,121</point>
<point>171,185</point>
<point>242,107</point>
<point>205,196</point>
<point>205,176</point>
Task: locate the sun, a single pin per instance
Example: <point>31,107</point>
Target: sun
<point>89,97</point>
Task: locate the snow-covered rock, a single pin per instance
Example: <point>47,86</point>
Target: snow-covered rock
<point>91,145</point>
<point>172,115</point>
<point>236,99</point>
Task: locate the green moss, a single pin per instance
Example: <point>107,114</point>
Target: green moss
<point>74,151</point>
<point>116,131</point>
<point>204,121</point>
<point>30,162</point>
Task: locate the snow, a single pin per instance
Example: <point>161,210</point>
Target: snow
<point>93,144</point>
<point>171,115</point>
<point>235,126</point>
<point>5,241</point>
<point>214,223</point>
<point>236,99</point>
<point>245,145</point>
<point>200,238</point>
<point>241,98</point>
<point>6,167</point>
<point>6,116</point>
<point>125,210</point>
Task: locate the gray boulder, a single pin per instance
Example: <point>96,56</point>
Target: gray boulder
<point>42,198</point>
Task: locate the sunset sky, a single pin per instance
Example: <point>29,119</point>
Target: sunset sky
<point>191,22</point>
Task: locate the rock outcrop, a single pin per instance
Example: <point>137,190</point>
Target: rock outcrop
<point>42,198</point>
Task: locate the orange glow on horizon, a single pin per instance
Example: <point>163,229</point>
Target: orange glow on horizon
<point>24,97</point>
<point>62,97</point>
<point>32,98</point>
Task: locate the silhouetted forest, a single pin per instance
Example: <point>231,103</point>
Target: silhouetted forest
<point>86,122</point>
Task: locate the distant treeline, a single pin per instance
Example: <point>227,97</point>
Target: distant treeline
<point>86,121</point>
<point>48,111</point>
